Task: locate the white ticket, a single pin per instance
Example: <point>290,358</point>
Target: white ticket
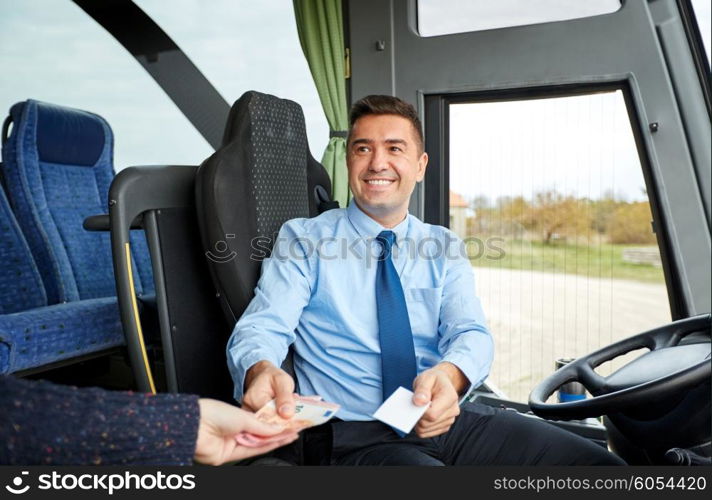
<point>399,411</point>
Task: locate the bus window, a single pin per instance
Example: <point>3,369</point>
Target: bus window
<point>54,52</point>
<point>550,198</point>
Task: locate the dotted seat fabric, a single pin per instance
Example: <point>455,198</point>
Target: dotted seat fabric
<point>20,283</point>
<point>262,176</point>
<point>272,134</point>
<point>34,338</point>
<point>33,334</point>
<point>58,165</point>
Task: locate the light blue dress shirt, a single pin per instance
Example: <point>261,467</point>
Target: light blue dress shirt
<point>318,291</point>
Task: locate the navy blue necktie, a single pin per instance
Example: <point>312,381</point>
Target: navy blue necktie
<point>397,350</point>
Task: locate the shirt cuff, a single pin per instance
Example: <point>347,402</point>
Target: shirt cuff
<point>469,368</point>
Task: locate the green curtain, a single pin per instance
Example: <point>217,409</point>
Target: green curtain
<point>321,34</point>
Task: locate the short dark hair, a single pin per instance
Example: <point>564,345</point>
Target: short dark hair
<point>386,105</point>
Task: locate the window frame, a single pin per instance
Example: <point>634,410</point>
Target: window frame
<point>437,176</point>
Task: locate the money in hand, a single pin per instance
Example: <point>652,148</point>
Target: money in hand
<point>309,411</point>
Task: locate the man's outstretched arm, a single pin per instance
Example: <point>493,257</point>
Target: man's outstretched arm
<point>266,329</point>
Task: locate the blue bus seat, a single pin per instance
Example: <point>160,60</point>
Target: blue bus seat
<point>33,334</point>
<point>58,165</point>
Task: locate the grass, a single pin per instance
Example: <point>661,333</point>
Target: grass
<point>604,260</point>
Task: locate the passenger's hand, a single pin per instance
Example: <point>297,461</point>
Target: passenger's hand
<point>220,422</point>
<point>436,386</point>
<point>265,382</point>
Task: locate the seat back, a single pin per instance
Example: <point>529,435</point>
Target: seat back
<point>262,176</point>
<point>20,283</point>
<point>193,331</point>
<point>34,336</point>
<point>57,164</point>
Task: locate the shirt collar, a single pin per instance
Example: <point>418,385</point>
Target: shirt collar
<point>368,228</point>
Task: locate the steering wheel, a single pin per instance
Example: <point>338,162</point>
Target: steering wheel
<point>670,367</point>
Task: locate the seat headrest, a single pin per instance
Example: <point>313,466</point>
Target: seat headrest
<point>256,115</point>
<point>249,187</point>
<point>65,135</point>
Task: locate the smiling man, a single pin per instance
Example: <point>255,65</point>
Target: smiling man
<point>386,160</point>
<point>373,299</point>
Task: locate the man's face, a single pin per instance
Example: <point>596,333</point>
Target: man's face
<point>384,163</point>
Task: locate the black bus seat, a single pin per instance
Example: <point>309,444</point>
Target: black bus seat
<point>193,333</point>
<point>262,176</point>
<point>194,330</point>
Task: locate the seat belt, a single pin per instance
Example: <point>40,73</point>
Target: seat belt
<point>323,201</point>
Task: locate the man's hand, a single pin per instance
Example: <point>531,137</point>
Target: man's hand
<point>265,382</point>
<point>439,386</point>
<point>220,422</point>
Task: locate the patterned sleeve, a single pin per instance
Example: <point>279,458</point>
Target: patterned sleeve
<point>47,424</point>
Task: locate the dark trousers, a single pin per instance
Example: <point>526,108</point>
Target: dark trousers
<point>481,435</point>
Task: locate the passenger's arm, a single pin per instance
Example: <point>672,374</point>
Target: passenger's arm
<point>38,426</point>
<point>220,422</point>
<point>47,424</point>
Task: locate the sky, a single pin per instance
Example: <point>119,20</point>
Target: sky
<point>581,146</point>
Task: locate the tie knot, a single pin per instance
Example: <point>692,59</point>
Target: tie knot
<point>386,239</point>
